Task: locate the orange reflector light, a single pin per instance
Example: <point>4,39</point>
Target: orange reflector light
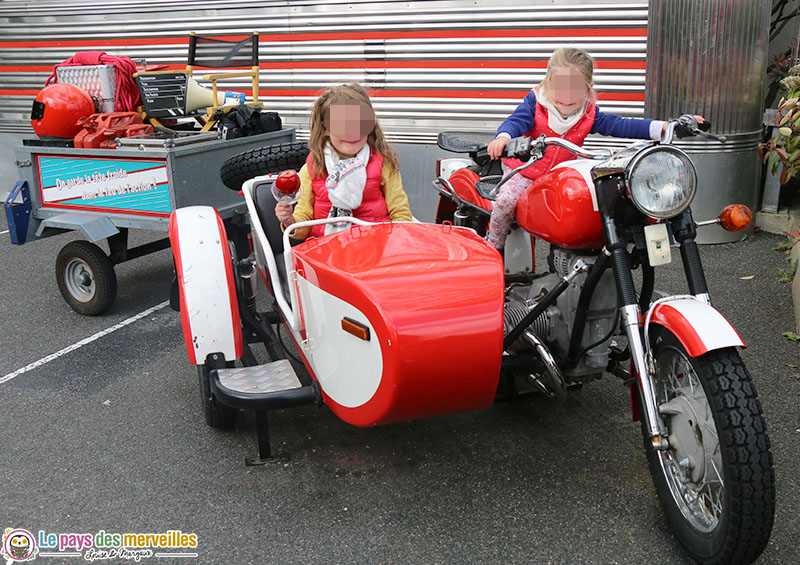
<point>356,328</point>
<point>735,217</point>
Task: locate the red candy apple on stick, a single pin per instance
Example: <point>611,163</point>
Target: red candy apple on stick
<point>287,187</point>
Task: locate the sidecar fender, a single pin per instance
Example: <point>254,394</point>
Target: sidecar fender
<point>209,305</point>
<point>698,326</point>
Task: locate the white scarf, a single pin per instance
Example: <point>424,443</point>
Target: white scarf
<point>345,184</point>
<point>555,121</point>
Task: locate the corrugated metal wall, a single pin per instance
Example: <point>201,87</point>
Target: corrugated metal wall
<point>429,65</point>
<point>709,57</point>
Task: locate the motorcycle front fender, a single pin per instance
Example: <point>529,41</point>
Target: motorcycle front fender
<point>698,326</point>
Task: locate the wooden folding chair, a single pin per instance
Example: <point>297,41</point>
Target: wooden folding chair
<point>175,93</point>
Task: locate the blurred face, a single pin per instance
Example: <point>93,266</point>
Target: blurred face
<point>348,127</point>
<point>568,91</point>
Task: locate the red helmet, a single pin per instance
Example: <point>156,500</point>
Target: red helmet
<point>57,109</point>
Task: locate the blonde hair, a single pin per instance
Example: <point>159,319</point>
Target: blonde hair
<point>570,57</point>
<point>320,115</point>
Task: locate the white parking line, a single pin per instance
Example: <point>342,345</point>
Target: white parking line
<point>83,342</point>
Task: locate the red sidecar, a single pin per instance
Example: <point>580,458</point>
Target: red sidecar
<point>393,321</point>
<point>404,321</point>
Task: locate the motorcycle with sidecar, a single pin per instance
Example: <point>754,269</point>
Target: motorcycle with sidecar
<point>397,321</point>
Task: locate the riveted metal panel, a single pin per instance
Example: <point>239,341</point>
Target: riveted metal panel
<point>429,65</point>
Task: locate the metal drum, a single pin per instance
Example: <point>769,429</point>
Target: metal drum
<point>709,57</point>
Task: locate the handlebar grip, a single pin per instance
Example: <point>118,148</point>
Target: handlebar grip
<point>519,148</point>
<point>482,156</point>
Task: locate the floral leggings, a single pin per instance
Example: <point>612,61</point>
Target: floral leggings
<point>505,206</point>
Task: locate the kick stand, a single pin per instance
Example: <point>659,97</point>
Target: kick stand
<point>264,452</point>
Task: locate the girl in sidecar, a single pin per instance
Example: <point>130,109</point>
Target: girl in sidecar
<point>350,171</point>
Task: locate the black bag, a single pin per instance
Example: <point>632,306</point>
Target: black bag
<point>244,120</point>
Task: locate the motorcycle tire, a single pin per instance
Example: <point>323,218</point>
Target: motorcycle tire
<point>217,415</point>
<point>239,168</point>
<point>721,509</point>
<point>85,277</point>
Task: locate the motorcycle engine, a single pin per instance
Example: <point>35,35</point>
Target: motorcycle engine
<point>555,325</point>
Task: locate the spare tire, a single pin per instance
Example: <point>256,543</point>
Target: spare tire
<point>261,161</point>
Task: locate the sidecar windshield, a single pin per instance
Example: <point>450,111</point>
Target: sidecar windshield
<point>463,141</point>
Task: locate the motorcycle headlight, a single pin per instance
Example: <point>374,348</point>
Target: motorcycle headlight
<point>661,181</point>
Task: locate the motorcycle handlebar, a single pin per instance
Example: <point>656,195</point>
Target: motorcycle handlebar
<point>687,126</point>
<point>523,148</point>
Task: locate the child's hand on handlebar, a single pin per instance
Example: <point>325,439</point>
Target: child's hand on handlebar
<point>700,120</point>
<point>283,210</point>
<point>495,148</point>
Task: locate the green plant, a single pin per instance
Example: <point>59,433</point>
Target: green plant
<point>792,238</point>
<point>786,276</point>
<point>791,336</point>
<point>782,150</point>
<point>778,68</point>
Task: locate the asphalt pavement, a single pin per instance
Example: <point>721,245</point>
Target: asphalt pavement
<point>102,430</point>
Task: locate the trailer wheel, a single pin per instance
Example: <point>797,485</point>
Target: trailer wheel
<point>85,277</point>
<point>261,161</point>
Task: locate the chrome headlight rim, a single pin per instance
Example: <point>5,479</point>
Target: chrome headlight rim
<point>638,158</point>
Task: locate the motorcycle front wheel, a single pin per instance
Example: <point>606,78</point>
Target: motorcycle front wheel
<point>715,482</point>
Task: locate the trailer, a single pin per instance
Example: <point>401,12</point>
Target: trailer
<point>104,193</point>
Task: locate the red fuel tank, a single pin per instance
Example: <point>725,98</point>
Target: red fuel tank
<point>561,207</point>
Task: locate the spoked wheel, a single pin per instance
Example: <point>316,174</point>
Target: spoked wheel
<point>85,277</point>
<point>218,415</point>
<point>715,481</point>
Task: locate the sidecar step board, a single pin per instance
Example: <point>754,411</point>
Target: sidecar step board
<point>261,379</point>
<point>262,388</point>
<point>268,386</point>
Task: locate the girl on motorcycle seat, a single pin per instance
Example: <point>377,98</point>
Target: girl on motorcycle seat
<point>562,105</point>
<point>350,170</point>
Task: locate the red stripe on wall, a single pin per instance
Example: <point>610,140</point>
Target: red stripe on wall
<point>86,42</point>
<point>390,93</point>
<point>344,36</point>
<point>49,68</point>
<point>21,92</point>
<point>415,64</point>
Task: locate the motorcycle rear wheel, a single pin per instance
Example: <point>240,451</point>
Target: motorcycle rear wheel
<point>716,482</point>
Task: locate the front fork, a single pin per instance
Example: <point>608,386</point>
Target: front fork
<point>608,193</point>
<point>683,229</point>
<point>631,322</point>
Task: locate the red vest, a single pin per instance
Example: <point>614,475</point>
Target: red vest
<point>373,203</point>
<point>554,155</point>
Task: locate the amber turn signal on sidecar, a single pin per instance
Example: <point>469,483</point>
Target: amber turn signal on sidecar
<point>735,217</point>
